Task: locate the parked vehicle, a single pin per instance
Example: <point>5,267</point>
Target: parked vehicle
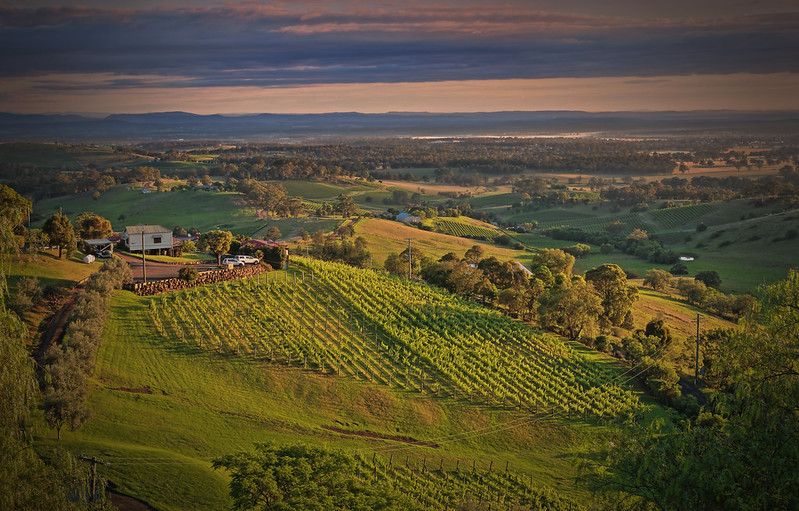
<point>104,253</point>
<point>233,261</point>
<point>246,259</point>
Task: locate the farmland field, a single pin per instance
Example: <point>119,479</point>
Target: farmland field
<point>465,229</point>
<point>188,376</point>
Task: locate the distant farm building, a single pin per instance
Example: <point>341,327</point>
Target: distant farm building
<point>154,239</point>
<point>407,218</point>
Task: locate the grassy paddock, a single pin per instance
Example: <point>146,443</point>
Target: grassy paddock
<point>188,208</point>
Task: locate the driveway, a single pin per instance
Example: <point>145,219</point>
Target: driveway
<point>158,271</point>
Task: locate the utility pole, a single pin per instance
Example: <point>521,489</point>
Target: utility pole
<point>696,361</point>
<point>94,461</point>
<point>143,258</point>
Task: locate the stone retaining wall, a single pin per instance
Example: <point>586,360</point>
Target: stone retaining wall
<point>165,286</point>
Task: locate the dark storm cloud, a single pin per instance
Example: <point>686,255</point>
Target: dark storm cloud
<point>270,46</point>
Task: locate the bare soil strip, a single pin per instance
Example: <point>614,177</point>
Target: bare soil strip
<point>371,434</point>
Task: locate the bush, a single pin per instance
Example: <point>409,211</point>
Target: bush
<point>701,227</point>
<point>679,269</point>
<point>188,273</point>
<point>709,277</point>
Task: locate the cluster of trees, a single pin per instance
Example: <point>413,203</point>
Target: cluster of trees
<point>741,450</point>
<point>28,482</point>
<point>352,252</point>
<point>570,304</point>
<point>53,182</point>
<point>69,364</point>
<point>272,199</point>
<point>303,477</point>
<point>637,243</point>
<point>702,291</point>
<point>705,189</point>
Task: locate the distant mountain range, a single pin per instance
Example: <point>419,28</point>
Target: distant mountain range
<point>122,128</point>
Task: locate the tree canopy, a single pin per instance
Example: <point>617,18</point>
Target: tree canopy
<point>302,477</point>
<point>91,226</point>
<point>741,452</point>
<point>60,232</point>
<point>217,242</point>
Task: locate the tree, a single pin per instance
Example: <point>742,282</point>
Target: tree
<point>679,269</point>
<point>474,254</point>
<point>710,278</point>
<point>742,451</point>
<point>302,477</point>
<point>91,226</point>
<point>610,282</point>
<point>638,234</point>
<point>217,242</point>
<point>657,279</point>
<point>572,308</point>
<point>556,260</point>
<point>396,265</point>
<point>615,227</point>
<point>578,250</point>
<point>179,232</point>
<point>60,232</point>
<point>693,290</point>
<point>65,396</point>
<point>273,233</point>
<point>345,206</point>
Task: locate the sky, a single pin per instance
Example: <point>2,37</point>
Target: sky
<point>107,56</point>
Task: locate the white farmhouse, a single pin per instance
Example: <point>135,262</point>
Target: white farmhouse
<point>155,238</point>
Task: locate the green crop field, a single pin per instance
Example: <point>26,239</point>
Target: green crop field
<point>315,190</point>
<point>676,217</point>
<point>387,329</point>
<point>631,222</point>
<point>188,376</point>
<point>465,229</point>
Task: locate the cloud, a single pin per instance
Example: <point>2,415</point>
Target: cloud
<point>280,44</point>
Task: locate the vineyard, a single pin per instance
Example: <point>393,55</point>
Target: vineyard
<point>675,217</point>
<point>631,222</point>
<point>440,484</point>
<point>360,324</point>
<point>464,230</point>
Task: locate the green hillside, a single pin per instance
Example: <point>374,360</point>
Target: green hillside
<point>439,385</point>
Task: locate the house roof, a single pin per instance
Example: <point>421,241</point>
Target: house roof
<point>145,229</point>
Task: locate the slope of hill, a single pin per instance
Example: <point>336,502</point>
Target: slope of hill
<point>189,376</point>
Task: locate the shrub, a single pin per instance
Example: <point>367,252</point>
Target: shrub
<point>679,269</point>
<point>188,273</point>
<point>709,277</point>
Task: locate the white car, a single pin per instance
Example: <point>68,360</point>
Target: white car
<point>233,261</point>
<point>246,259</point>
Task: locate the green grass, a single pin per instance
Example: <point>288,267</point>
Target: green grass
<point>203,210</point>
<point>291,227</point>
<point>315,190</point>
<point>57,156</point>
